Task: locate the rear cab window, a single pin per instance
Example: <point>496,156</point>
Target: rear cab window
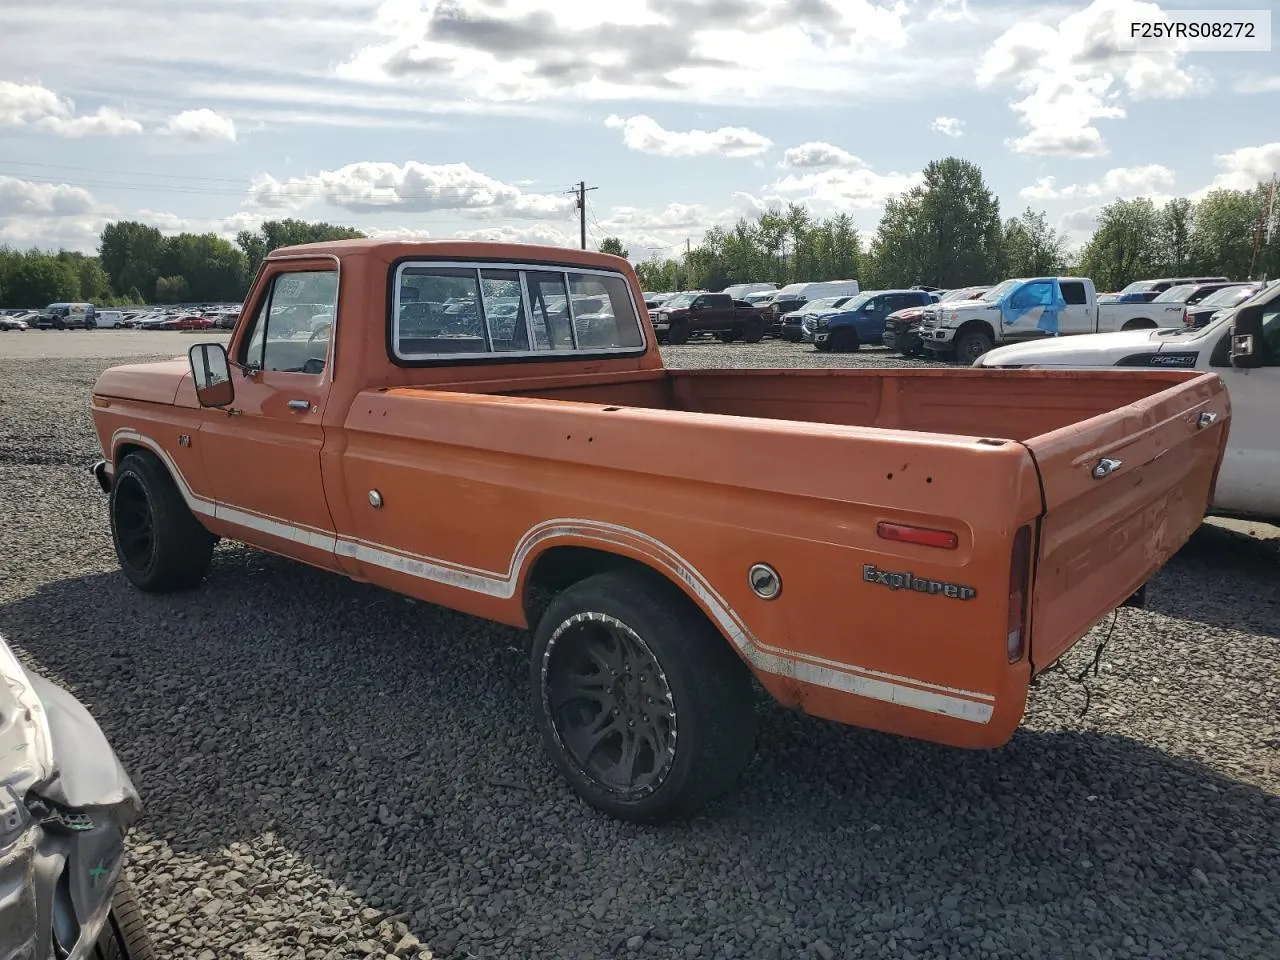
<point>1073,293</point>
<point>443,311</point>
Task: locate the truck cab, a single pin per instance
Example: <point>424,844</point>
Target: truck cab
<point>1242,347</point>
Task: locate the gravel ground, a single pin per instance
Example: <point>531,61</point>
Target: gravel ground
<point>333,771</point>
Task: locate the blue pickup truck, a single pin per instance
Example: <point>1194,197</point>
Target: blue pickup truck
<point>860,320</point>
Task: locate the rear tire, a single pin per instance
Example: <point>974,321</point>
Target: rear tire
<point>753,330</point>
<point>678,333</point>
<point>1139,324</point>
<point>628,646</point>
<point>844,341</point>
<point>160,544</point>
<point>972,344</point>
<point>125,936</point>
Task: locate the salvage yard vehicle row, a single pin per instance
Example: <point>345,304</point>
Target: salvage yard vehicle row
<point>663,532</point>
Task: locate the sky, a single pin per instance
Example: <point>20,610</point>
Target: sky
<point>475,118</point>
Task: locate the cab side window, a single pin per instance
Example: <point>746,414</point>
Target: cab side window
<point>293,323</point>
<point>1073,293</point>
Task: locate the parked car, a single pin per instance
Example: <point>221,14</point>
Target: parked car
<point>791,322</point>
<point>653,301</point>
<point>1224,298</point>
<point>687,314</point>
<point>110,319</point>
<point>1241,345</point>
<point>860,321</point>
<point>902,328</point>
<point>1144,291</point>
<point>190,321</point>
<point>66,806</point>
<point>1173,303</point>
<point>795,295</point>
<point>1028,309</point>
<point>68,316</point>
<point>862,542</point>
<point>12,323</point>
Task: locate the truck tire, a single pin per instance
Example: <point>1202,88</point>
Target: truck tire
<point>753,330</point>
<point>844,341</point>
<point>729,336</point>
<point>1140,323</point>
<point>972,344</point>
<point>678,332</point>
<point>160,544</point>
<point>627,647</point>
<point>125,936</point>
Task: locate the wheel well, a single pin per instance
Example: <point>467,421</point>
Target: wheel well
<point>1140,323</point>
<point>125,449</point>
<point>561,567</point>
<point>979,325</point>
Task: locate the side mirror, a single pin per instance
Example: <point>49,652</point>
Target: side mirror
<point>212,374</point>
<point>1245,330</point>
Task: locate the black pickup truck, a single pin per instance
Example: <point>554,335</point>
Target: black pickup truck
<point>697,312</point>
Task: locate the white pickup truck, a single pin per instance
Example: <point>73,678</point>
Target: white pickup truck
<point>1242,347</point>
<point>1029,308</point>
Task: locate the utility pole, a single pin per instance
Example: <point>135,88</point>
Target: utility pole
<point>580,200</point>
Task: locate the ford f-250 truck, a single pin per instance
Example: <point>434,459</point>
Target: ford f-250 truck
<point>895,549</point>
<point>1248,484</point>
<point>1029,309</point>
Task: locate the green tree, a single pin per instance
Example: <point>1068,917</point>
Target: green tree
<point>130,253</point>
<point>960,222</point>
<point>275,234</point>
<point>1032,248</point>
<point>213,268</point>
<point>614,246</point>
<point>36,279</point>
<point>1124,247</point>
<point>172,290</point>
<point>657,276</point>
<point>1225,227</point>
<point>1176,223</point>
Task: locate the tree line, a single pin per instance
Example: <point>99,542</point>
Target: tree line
<point>948,232</point>
<point>137,264</point>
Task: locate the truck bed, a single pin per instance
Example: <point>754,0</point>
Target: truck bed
<point>969,402</point>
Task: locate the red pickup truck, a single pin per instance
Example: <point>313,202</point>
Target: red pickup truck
<point>490,427</point>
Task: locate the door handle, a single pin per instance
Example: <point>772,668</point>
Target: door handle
<point>1105,467</point>
<point>299,404</point>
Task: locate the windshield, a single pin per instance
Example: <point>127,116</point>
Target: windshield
<point>964,293</point>
<point>1138,286</point>
<point>999,290</point>
<point>826,303</point>
<point>680,300</point>
<point>1227,297</point>
<point>1176,294</point>
<point>857,302</point>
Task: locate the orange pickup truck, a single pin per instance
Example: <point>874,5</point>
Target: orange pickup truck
<point>490,427</point>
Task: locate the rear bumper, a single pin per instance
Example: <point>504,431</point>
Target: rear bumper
<point>103,473</point>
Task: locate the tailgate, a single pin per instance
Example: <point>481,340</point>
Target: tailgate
<point>1123,492</point>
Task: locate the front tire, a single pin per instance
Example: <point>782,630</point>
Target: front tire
<point>622,661</point>
<point>753,330</point>
<point>844,341</point>
<point>678,333</point>
<point>160,544</point>
<point>125,936</point>
<point>972,344</point>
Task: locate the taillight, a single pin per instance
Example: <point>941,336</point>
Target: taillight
<point>1186,317</point>
<point>924,536</point>
<point>1019,582</point>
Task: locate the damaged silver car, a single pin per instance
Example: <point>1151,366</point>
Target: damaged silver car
<point>66,805</point>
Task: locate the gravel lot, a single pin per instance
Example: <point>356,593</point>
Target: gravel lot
<point>333,771</point>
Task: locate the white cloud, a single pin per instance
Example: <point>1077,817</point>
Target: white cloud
<point>948,126</point>
<point>1075,74</point>
<point>724,50</point>
<point>951,11</point>
<point>1244,168</point>
<point>1257,85</point>
<point>396,233</point>
<point>202,124</point>
<point>543,233</point>
<point>369,186</point>
<point>1150,180</point>
<point>646,135</point>
<point>225,227</point>
<point>818,153</point>
<point>33,105</point>
<point>845,189</point>
<point>49,215</point>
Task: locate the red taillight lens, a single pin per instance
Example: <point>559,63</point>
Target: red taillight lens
<point>901,532</point>
<point>1186,317</point>
<point>1019,582</point>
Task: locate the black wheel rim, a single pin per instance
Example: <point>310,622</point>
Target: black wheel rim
<point>973,349</point>
<point>135,528</point>
<point>610,704</point>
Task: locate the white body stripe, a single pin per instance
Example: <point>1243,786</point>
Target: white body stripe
<point>850,678</point>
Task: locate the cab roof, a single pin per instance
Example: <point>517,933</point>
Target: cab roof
<point>390,250</point>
